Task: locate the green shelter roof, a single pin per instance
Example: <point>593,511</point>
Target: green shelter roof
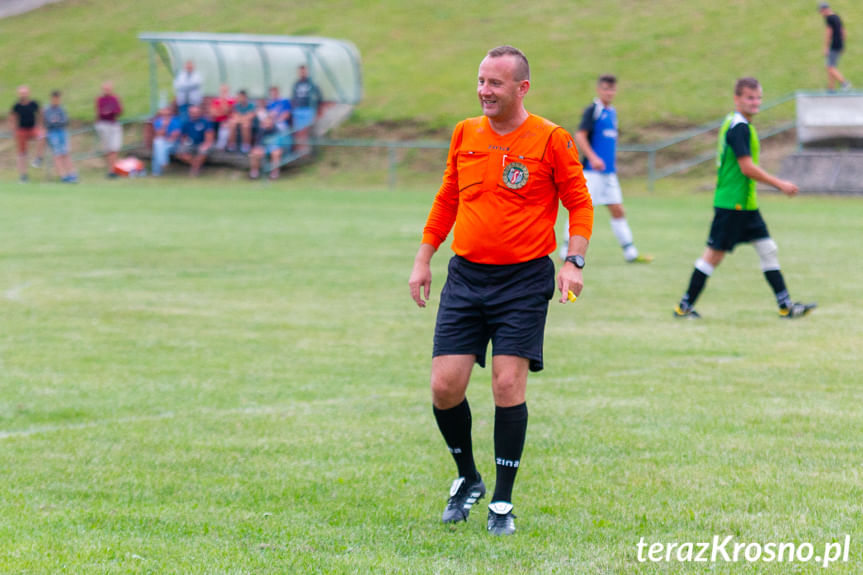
<point>255,62</point>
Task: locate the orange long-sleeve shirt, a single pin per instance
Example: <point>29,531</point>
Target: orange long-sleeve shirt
<point>502,192</point>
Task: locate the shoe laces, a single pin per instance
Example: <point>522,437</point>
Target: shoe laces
<point>459,492</point>
<point>458,486</point>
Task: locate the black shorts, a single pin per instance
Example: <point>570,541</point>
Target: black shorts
<point>504,304</point>
<point>732,227</point>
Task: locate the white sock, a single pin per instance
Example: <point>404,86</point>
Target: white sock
<point>621,230</point>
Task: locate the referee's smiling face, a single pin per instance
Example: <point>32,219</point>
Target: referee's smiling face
<point>500,94</point>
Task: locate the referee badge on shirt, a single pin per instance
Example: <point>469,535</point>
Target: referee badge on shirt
<point>515,176</point>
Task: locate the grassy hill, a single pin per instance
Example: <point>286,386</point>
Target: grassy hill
<point>676,60</point>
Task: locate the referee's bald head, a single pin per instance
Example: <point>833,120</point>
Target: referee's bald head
<point>522,68</point>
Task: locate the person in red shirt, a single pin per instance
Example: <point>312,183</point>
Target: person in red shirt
<point>108,109</point>
<point>221,109</point>
<point>507,172</point>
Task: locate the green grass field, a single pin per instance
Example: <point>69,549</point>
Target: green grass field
<point>221,377</point>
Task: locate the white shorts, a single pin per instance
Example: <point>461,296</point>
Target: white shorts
<point>111,135</point>
<point>604,188</point>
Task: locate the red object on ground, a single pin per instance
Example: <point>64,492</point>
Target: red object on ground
<point>130,166</point>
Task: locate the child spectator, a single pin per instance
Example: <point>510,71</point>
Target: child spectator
<point>56,121</point>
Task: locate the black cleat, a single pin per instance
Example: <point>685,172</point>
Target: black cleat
<point>687,313</point>
<point>462,496</point>
<point>501,519</point>
<point>796,309</point>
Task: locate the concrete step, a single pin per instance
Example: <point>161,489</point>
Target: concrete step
<point>825,171</point>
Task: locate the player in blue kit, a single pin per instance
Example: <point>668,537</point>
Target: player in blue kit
<point>596,138</point>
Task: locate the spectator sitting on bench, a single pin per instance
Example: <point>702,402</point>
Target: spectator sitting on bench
<point>167,128</point>
<point>261,114</point>
<point>242,118</point>
<point>221,108</point>
<point>280,110</point>
<point>195,140</point>
<point>268,142</point>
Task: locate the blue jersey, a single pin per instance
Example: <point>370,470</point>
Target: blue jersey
<point>196,130</point>
<point>600,123</point>
<point>173,126</point>
<point>279,108</point>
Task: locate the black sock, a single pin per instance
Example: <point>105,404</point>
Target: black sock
<point>454,425</point>
<point>777,282</point>
<point>510,428</point>
<point>696,284</point>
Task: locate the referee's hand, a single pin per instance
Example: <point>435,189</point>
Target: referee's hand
<point>569,279</point>
<point>420,281</point>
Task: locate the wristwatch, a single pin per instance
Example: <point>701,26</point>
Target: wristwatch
<point>576,260</point>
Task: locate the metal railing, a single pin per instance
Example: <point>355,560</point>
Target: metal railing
<point>654,171</point>
<point>392,147</point>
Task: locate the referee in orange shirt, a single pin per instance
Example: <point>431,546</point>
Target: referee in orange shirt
<point>506,173</point>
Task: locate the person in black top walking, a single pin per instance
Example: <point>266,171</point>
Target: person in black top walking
<point>834,44</point>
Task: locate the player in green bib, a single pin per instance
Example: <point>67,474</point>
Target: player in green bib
<point>736,216</point>
<point>735,191</point>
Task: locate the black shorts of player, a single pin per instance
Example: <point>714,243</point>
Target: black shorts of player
<point>732,227</point>
<point>504,304</point>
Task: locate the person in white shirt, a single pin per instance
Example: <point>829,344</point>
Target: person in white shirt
<point>188,88</point>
